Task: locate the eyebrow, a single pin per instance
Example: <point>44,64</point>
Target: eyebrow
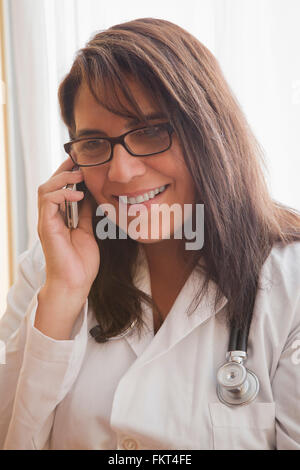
<point>129,123</point>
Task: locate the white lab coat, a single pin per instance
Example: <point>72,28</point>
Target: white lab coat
<point>158,392</point>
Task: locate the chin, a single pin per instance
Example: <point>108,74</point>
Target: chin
<point>158,234</point>
<point>146,238</point>
<point>148,241</point>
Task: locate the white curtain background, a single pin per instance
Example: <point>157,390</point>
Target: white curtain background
<point>255,41</point>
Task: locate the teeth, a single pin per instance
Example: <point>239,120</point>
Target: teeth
<point>123,199</point>
<point>142,197</point>
<point>138,199</point>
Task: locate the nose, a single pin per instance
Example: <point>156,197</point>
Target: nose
<point>123,166</point>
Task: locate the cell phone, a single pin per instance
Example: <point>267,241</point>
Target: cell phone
<point>71,208</point>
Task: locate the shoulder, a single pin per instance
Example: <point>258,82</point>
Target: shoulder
<point>285,256</point>
<point>277,304</point>
<point>282,268</point>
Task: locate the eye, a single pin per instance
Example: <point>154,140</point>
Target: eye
<point>90,144</point>
<point>149,131</point>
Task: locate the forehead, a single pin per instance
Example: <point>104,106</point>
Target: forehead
<point>111,103</point>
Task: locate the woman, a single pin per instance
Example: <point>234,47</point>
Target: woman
<point>103,350</point>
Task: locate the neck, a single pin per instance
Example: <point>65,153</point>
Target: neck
<point>168,273</point>
<point>166,259</point>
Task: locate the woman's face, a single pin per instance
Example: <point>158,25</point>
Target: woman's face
<point>126,174</point>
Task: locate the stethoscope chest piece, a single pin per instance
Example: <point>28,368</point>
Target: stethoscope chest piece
<point>236,384</point>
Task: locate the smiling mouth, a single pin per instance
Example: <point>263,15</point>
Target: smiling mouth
<point>151,196</point>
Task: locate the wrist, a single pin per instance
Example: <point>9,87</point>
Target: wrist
<point>60,291</point>
<point>58,309</point>
<point>61,301</point>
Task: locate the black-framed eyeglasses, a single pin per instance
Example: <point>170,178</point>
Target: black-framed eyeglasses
<point>142,142</point>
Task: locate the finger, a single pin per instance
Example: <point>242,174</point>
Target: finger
<point>61,179</point>
<point>85,217</point>
<point>51,202</point>
<point>66,165</point>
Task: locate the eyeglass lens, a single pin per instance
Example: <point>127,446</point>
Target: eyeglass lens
<point>140,142</point>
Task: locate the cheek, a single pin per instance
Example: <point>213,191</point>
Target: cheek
<point>181,174</point>
<point>166,165</point>
<point>94,181</point>
<point>175,168</point>
<point>175,164</point>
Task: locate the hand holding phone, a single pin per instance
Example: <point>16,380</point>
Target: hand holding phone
<point>72,256</point>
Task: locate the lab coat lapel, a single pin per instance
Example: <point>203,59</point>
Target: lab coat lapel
<point>177,324</point>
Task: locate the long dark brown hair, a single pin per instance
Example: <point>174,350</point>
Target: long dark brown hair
<point>242,221</point>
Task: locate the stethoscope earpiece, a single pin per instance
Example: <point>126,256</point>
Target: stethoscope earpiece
<point>96,333</point>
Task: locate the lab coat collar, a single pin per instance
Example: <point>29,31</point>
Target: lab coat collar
<point>177,324</point>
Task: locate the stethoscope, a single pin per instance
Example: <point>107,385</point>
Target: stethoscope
<point>236,385</point>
